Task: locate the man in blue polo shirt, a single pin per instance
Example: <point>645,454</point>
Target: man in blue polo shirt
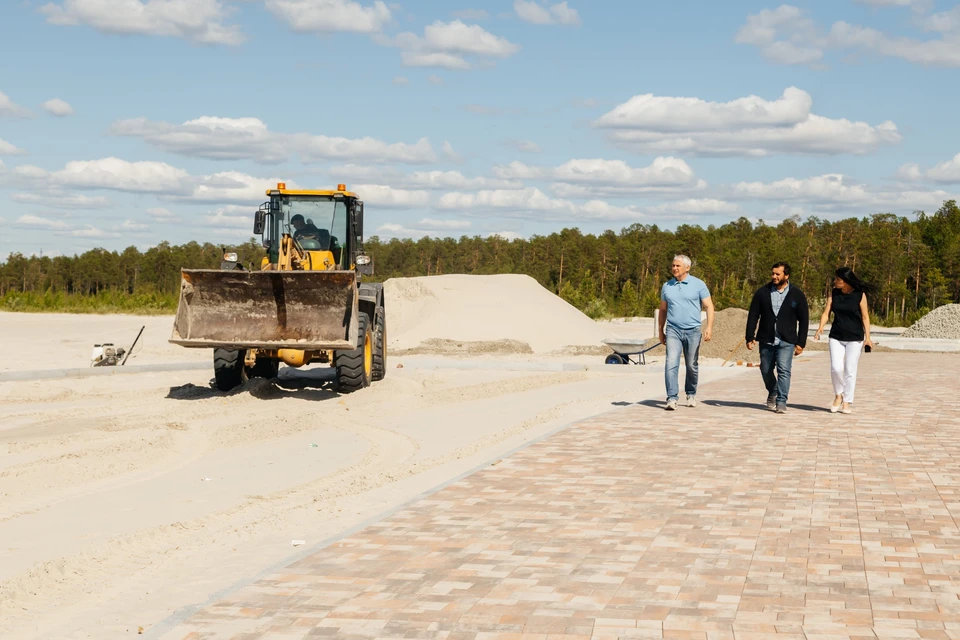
<point>681,299</point>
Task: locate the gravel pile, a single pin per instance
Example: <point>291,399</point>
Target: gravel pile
<point>729,326</point>
<point>942,323</point>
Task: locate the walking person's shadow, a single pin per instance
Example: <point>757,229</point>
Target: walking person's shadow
<point>733,404</point>
<point>727,404</point>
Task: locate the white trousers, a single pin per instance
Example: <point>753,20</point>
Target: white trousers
<point>844,357</point>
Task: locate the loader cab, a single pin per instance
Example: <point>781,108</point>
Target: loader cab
<point>319,221</point>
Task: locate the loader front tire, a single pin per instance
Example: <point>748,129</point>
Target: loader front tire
<point>355,367</point>
<point>379,346</point>
<point>228,368</point>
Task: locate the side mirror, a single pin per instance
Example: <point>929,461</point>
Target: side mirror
<point>259,221</point>
<point>358,219</point>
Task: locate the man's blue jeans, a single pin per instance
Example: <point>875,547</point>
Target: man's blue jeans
<point>780,356</point>
<point>687,341</point>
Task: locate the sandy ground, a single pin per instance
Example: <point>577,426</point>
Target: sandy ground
<point>125,498</point>
<point>60,340</point>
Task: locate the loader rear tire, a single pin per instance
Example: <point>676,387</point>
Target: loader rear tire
<point>379,346</point>
<point>355,367</point>
<point>228,369</point>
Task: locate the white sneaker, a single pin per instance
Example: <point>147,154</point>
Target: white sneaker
<point>671,405</point>
<point>691,401</point>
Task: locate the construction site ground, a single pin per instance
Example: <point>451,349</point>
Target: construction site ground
<point>721,521</point>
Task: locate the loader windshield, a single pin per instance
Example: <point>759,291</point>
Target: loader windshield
<point>316,223</point>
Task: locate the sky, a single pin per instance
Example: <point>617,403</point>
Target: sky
<point>133,122</point>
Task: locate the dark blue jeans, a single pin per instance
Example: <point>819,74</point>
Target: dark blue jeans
<point>781,357</point>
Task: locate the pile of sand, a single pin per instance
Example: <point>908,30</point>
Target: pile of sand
<point>729,327</point>
<point>470,314</point>
<point>942,323</point>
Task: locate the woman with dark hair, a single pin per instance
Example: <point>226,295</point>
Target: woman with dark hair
<point>849,332</point>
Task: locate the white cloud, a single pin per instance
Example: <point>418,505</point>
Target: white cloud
<point>916,5</point>
<point>425,227</point>
<point>445,45</point>
<point>90,231</point>
<point>111,173</point>
<point>541,13</point>
<point>385,197</point>
<point>450,153</point>
<point>231,187</point>
<point>668,114</point>
<point>130,225</point>
<point>696,206</point>
<point>435,80</point>
<point>785,35</point>
<point>7,149</point>
<point>662,172</point>
<point>325,16</point>
<point>10,109</point>
<point>58,107</point>
<point>197,20</point>
<point>61,200</point>
<point>745,127</point>
<point>524,146</point>
<point>837,192</point>
<point>38,222</point>
<point>401,80</point>
<point>250,139</point>
<point>430,180</point>
<point>947,172</point>
<point>944,52</point>
<point>533,203</point>
<point>163,215</point>
<point>231,217</point>
<point>156,178</point>
<point>801,43</point>
<point>584,178</point>
<point>456,180</point>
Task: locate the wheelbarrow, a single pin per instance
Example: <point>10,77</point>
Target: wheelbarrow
<point>626,351</point>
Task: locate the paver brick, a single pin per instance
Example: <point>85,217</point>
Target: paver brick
<point>723,521</point>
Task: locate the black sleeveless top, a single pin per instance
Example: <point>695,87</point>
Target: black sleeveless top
<point>847,323</point>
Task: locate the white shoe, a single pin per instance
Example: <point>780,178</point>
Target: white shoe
<point>846,408</point>
<point>691,401</point>
<point>835,407</point>
<point>671,405</point>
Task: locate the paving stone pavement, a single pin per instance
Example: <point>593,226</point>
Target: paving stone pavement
<point>720,521</point>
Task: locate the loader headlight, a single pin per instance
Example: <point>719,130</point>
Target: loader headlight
<point>363,259</point>
<point>230,257</point>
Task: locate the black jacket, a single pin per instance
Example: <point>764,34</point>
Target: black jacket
<point>792,322</point>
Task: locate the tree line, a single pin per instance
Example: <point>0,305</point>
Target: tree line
<point>913,263</point>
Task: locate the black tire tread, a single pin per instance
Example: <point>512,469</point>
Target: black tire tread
<point>227,369</point>
<point>349,364</point>
<point>379,371</point>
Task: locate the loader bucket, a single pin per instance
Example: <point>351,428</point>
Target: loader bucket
<point>308,310</point>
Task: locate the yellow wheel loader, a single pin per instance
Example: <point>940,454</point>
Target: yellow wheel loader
<point>306,304</point>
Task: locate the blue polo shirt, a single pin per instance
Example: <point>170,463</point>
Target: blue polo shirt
<point>683,301</point>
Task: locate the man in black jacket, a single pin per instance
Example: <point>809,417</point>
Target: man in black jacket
<point>784,319</point>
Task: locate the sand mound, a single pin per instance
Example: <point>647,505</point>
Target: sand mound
<point>501,311</point>
<point>729,326</point>
<point>941,323</point>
